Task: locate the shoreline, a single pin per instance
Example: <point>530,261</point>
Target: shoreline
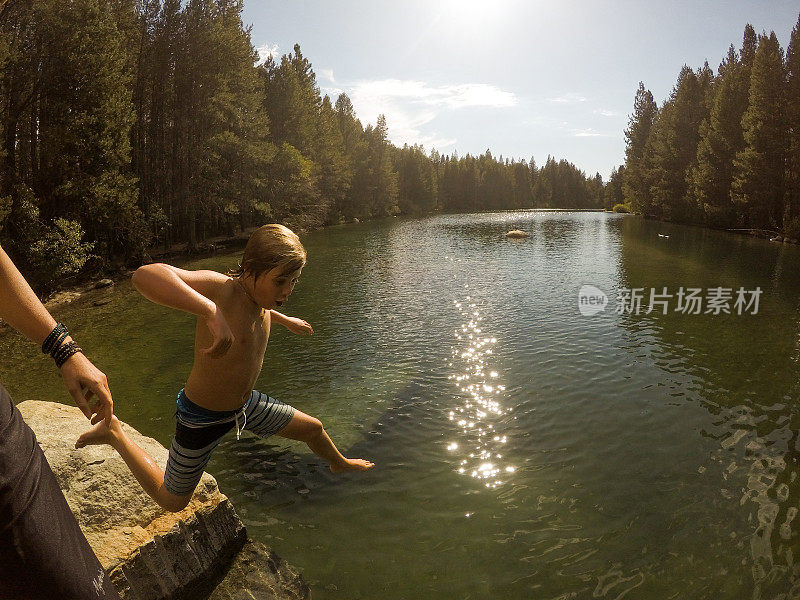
<point>181,254</point>
<point>764,234</point>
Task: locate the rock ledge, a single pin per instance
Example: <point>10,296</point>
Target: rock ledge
<point>151,554</point>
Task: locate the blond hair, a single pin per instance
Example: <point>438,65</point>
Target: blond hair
<point>271,246</point>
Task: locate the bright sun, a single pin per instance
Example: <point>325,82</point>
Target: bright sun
<point>474,14</point>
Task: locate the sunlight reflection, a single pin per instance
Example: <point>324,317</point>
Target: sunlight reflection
<point>479,410</point>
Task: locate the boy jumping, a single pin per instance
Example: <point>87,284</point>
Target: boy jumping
<point>234,316</point>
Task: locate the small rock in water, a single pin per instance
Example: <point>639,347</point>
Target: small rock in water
<point>517,233</point>
<point>103,283</point>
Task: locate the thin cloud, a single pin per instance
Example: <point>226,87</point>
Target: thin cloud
<point>449,96</point>
<point>432,141</point>
<point>605,113</point>
<point>409,105</point>
<point>588,132</point>
<point>332,92</point>
<point>472,94</point>
<point>570,98</point>
<point>265,51</point>
<point>327,74</point>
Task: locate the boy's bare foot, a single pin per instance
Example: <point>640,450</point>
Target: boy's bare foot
<point>99,434</point>
<point>352,464</point>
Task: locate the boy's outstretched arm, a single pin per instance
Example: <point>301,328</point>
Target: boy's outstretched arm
<point>183,290</point>
<point>25,313</point>
<point>293,324</point>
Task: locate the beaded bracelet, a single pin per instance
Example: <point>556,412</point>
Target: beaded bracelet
<point>50,345</point>
<point>65,352</point>
<point>58,343</point>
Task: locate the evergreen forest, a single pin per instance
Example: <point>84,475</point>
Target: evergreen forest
<point>723,150</point>
<point>128,125</point>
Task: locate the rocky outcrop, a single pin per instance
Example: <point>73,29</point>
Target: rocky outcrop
<point>257,572</point>
<point>150,553</point>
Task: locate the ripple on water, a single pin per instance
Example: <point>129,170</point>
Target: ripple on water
<point>652,455</point>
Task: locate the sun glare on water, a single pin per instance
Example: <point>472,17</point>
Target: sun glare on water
<point>477,413</point>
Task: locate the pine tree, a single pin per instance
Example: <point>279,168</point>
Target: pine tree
<point>335,170</point>
<point>238,151</point>
<point>521,182</point>
<point>292,100</point>
<point>721,138</point>
<point>749,46</point>
<point>382,178</point>
<point>77,156</point>
<point>634,185</point>
<point>791,220</point>
<point>24,48</point>
<point>355,147</point>
<point>758,170</point>
<point>153,93</point>
<point>612,194</point>
<point>674,137</point>
<point>417,185</point>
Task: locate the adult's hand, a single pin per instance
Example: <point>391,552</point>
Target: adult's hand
<point>84,381</point>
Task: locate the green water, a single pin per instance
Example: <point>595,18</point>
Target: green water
<point>608,456</point>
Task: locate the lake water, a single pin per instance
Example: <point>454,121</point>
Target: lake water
<point>522,450</point>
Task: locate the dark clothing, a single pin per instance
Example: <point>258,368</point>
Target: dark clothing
<point>43,552</point>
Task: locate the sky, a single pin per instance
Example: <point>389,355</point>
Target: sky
<point>523,78</point>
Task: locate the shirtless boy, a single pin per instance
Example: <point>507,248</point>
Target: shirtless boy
<point>234,314</point>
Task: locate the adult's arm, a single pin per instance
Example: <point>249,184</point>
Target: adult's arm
<point>20,307</point>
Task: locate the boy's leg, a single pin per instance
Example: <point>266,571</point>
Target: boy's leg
<point>267,416</point>
<point>308,429</point>
<point>184,466</point>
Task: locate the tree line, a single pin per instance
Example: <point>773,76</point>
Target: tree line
<point>130,123</point>
<point>723,150</point>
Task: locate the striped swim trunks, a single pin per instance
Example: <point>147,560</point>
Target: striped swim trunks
<point>199,430</point>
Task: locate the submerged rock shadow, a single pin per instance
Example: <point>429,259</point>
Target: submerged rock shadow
<point>259,469</point>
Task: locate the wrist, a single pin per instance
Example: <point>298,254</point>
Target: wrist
<point>60,345</point>
<point>277,317</point>
<point>66,353</point>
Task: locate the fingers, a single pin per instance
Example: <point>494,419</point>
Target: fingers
<point>83,380</point>
<point>80,401</point>
<point>302,327</point>
<point>105,405</point>
<point>101,412</point>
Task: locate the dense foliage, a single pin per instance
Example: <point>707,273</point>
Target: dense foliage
<point>129,123</point>
<point>723,150</point>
